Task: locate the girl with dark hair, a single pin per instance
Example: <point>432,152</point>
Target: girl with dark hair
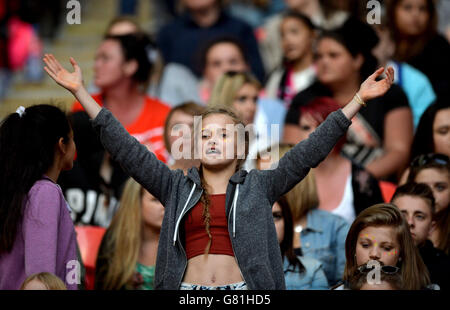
<point>122,70</point>
<point>210,237</point>
<point>296,71</point>
<point>434,170</point>
<point>216,56</point>
<point>433,132</point>
<point>36,230</point>
<point>324,14</point>
<point>380,137</point>
<point>300,272</point>
<point>414,29</point>
<point>203,20</point>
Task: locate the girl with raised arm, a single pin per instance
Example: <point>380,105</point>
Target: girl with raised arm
<point>218,230</point>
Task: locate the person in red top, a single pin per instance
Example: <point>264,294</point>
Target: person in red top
<point>147,127</point>
<point>122,69</point>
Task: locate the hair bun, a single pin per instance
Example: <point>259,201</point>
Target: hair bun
<point>358,35</point>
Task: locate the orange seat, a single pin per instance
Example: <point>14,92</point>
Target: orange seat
<point>387,190</point>
<point>89,239</point>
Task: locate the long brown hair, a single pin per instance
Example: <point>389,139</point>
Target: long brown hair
<point>412,268</point>
<point>442,219</point>
<point>240,161</point>
<point>122,241</point>
<point>286,245</point>
<point>413,46</point>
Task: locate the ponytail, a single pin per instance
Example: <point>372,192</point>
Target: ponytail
<point>27,149</point>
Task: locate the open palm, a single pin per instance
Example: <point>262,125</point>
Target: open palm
<point>371,88</point>
<point>72,81</point>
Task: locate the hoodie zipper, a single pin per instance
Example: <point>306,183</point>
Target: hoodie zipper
<point>181,246</point>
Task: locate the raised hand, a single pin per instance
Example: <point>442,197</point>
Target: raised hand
<point>371,88</point>
<point>72,81</point>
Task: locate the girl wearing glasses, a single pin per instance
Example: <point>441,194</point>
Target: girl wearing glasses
<point>380,233</point>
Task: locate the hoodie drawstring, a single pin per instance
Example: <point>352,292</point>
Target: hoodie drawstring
<point>181,215</point>
<point>236,194</point>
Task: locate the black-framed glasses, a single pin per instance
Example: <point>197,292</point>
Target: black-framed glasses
<point>426,159</point>
<point>232,73</point>
<point>384,269</point>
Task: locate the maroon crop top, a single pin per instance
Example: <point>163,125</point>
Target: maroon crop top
<point>195,232</point>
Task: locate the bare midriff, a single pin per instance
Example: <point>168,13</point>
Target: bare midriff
<point>212,270</point>
<point>219,266</point>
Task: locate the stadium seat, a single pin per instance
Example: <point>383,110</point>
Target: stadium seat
<point>387,190</point>
<point>89,239</point>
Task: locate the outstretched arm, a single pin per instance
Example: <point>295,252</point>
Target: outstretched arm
<point>136,160</point>
<point>295,164</point>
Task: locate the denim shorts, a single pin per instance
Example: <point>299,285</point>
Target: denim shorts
<point>195,287</point>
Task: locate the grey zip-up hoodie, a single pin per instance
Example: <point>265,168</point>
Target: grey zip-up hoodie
<point>249,200</point>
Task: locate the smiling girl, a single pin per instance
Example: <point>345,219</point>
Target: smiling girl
<point>218,230</point>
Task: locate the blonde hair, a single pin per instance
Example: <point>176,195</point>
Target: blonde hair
<point>414,273</point>
<point>50,281</point>
<point>122,241</point>
<point>302,197</point>
<point>228,85</point>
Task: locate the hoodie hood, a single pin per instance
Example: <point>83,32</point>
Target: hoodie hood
<point>237,178</point>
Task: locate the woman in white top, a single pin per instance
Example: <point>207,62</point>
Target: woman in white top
<point>296,72</point>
